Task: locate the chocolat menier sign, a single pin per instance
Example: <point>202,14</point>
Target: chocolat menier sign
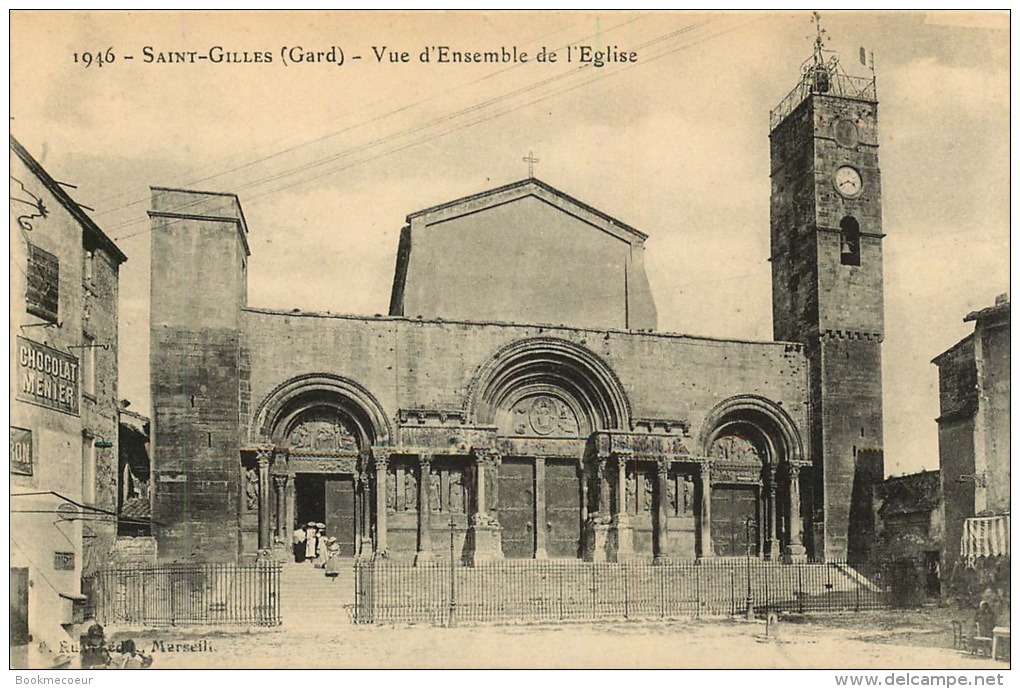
<point>47,377</point>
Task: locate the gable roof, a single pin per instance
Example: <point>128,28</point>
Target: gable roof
<point>77,212</point>
<point>528,187</point>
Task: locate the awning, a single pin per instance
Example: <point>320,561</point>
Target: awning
<point>985,537</point>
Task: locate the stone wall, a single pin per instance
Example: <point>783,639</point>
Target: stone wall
<point>197,239</point>
<point>524,253</point>
<point>418,364</point>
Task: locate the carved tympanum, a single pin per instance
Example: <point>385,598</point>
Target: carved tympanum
<point>543,415</point>
<point>321,432</point>
<point>734,448</point>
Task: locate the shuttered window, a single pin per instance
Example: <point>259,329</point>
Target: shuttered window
<point>43,293</point>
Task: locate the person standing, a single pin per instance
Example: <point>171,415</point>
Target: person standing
<point>333,563</point>
<point>321,547</point>
<point>311,540</point>
<point>985,619</point>
<point>299,544</point>
<point>94,653</point>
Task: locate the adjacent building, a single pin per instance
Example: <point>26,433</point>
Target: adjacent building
<point>63,392</point>
<point>974,441</point>
<point>911,528</point>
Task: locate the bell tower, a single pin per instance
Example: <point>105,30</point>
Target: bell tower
<point>827,288</point>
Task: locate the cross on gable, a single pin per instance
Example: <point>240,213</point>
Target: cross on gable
<point>530,159</point>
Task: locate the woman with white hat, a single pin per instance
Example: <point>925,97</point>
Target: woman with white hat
<point>320,546</point>
<point>311,540</point>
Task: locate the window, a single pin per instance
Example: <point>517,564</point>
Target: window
<point>849,242</point>
<point>88,470</point>
<point>87,265</point>
<point>88,365</point>
<point>43,294</point>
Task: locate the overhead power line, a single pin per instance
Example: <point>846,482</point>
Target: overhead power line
<point>358,125</point>
<point>458,127</point>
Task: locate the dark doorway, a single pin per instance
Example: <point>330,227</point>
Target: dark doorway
<point>517,507</point>
<point>19,606</point>
<point>734,520</point>
<point>327,499</point>
<point>310,498</point>
<point>932,580</point>
<point>562,508</point>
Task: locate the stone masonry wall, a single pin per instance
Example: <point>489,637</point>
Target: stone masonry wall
<point>414,364</point>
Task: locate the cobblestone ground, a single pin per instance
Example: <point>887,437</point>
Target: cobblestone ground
<point>876,641</point>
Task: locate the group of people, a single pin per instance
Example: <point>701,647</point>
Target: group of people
<point>312,544</point>
<point>96,655</point>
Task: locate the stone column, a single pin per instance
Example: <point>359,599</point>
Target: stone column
<point>357,512</point>
<point>597,547</point>
<point>424,553</point>
<point>282,530</point>
<point>541,553</point>
<point>661,541</point>
<point>705,517</point>
<point>381,465</point>
<point>770,504</point>
<point>264,455</point>
<point>620,541</point>
<point>621,485</point>
<point>795,550</point>
<point>484,534</point>
<point>584,490</point>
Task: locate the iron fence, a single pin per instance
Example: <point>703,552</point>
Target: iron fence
<point>536,590</point>
<point>187,594</point>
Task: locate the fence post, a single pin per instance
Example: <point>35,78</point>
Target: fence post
<point>559,581</point>
<point>857,596</point>
<point>697,590</point>
<point>800,587</point>
<point>662,591</point>
<point>453,576</point>
<point>594,604</point>
<point>626,595</point>
<point>733,591</point>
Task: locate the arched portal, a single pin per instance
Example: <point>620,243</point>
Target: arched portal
<point>545,396</point>
<point>754,451</point>
<point>321,428</point>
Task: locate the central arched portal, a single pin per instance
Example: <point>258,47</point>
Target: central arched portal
<point>545,397</point>
<point>322,457</point>
<point>321,429</point>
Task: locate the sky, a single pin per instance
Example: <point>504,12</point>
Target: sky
<point>328,158</point>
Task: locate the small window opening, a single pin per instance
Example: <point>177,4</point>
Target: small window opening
<point>849,242</point>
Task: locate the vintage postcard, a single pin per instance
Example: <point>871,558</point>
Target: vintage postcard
<point>583,339</point>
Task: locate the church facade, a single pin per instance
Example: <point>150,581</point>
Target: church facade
<point>517,397</point>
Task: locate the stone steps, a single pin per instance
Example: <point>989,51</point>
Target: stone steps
<point>309,600</point>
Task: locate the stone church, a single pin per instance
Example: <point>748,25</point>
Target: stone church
<point>518,394</point>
